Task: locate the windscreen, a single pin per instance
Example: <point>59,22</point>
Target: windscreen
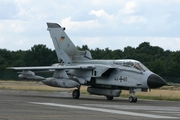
<point>131,63</point>
<point>140,66</point>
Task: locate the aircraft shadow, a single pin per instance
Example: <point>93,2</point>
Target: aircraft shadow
<point>68,97</point>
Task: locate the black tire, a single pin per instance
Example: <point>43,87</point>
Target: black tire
<point>76,94</point>
<point>135,99</point>
<point>109,97</point>
<point>131,99</point>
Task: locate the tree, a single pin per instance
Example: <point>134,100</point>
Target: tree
<point>144,47</point>
<point>40,55</point>
<point>129,52</point>
<point>165,63</point>
<point>5,58</point>
<point>158,67</point>
<point>173,70</point>
<point>117,54</point>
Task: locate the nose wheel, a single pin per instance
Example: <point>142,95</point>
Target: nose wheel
<point>132,98</point>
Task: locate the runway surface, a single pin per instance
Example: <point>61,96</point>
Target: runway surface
<point>33,105</point>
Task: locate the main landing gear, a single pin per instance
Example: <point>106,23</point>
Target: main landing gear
<point>76,93</point>
<point>132,98</point>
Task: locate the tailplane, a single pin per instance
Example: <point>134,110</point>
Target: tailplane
<point>64,47</point>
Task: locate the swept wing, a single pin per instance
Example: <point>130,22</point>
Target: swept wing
<point>83,67</point>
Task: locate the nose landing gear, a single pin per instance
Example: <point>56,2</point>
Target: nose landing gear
<point>132,98</point>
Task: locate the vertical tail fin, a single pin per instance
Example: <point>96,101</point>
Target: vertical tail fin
<point>64,47</point>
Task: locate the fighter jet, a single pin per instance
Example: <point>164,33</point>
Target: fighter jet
<point>102,77</point>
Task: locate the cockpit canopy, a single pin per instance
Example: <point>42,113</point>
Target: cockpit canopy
<point>131,63</point>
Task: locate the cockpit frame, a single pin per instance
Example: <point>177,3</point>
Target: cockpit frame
<point>132,64</point>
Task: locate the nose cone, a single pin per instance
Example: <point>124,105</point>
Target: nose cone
<point>155,81</point>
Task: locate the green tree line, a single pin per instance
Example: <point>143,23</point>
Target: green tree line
<point>166,63</point>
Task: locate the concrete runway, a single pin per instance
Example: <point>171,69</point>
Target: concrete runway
<point>33,105</point>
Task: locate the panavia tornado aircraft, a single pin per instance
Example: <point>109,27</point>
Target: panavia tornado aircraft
<point>103,77</point>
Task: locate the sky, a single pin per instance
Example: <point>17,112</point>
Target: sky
<point>112,24</point>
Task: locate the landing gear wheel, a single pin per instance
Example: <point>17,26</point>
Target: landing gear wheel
<point>132,99</point>
<point>135,99</point>
<point>76,94</point>
<point>109,97</point>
